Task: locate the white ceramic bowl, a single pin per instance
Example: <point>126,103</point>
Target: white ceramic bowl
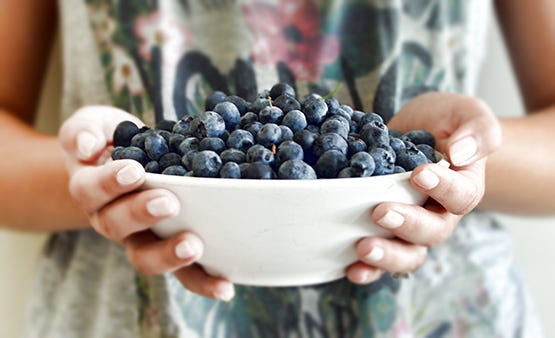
<point>280,232</point>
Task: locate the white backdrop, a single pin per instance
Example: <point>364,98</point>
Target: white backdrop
<point>532,237</point>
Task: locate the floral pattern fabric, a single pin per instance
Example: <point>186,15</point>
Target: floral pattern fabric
<point>162,57</point>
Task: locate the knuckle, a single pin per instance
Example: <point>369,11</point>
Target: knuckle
<point>138,262</point>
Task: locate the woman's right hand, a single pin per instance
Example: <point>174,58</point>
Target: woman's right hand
<point>107,193</point>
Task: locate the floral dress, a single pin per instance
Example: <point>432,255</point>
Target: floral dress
<point>160,58</point>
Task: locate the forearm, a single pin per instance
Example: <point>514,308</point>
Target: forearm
<point>34,193</point>
<point>520,175</point>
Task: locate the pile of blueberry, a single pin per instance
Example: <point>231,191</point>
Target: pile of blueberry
<point>275,136</point>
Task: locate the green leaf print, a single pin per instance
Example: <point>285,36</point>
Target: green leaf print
<point>447,13</point>
<point>367,35</point>
<point>416,8</point>
<point>384,310</point>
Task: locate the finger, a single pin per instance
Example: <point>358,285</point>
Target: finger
<point>151,255</point>
<point>428,225</point>
<point>391,255</point>
<point>134,213</point>
<point>94,186</point>
<point>87,132</point>
<point>457,191</point>
<point>360,273</point>
<point>195,279</point>
<point>477,135</point>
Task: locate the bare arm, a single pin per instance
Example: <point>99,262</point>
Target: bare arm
<point>33,178</point>
<point>520,176</point>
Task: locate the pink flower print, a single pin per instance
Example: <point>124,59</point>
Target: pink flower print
<point>125,72</point>
<point>290,33</point>
<point>402,330</point>
<point>162,30</point>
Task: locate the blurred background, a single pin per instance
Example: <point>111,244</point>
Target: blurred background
<point>532,237</point>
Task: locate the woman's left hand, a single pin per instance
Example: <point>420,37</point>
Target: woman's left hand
<point>466,131</point>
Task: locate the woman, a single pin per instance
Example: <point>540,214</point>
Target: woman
<point>155,59</point>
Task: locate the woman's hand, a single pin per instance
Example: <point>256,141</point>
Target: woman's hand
<point>107,192</point>
<point>466,131</point>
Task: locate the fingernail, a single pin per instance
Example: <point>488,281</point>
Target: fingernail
<point>462,150</point>
<point>86,143</point>
<point>391,220</point>
<point>225,292</point>
<point>128,175</point>
<point>162,206</point>
<point>426,179</point>
<point>375,255</point>
<point>188,248</point>
<point>365,276</point>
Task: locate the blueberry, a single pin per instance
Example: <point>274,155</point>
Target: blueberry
<point>187,159</point>
<point>396,143</point>
<point>247,120</point>
<point>333,105</point>
<point>281,89</point>
<point>270,115</point>
<point>240,139</point>
<point>207,124</point>
<point>230,114</point>
<point>134,153</point>
<point>329,141</point>
<point>421,137</point>
<point>287,103</point>
<point>169,159</point>
<point>374,132</point>
<point>296,169</point>
<point>259,171</point>
<point>295,120</point>
<point>116,153</point>
<point>241,104</point>
<point>385,163</point>
<point>124,132</point>
<point>363,163</point>
<point>165,134</point>
<point>288,150</point>
<point>139,140</point>
<point>410,158</point>
<point>357,116</point>
<point>330,164</point>
<point>347,109</point>
<point>335,126</point>
<point>258,104</point>
<point>399,170</point>
<point>259,153</point>
<point>215,144</point>
<point>313,128</point>
<point>206,164</point>
<point>230,170</point>
<point>369,117</point>
<point>153,167</point>
<point>254,127</point>
<point>213,99</point>
<point>175,142</point>
<point>233,155</point>
<point>175,170</point>
<point>315,110</point>
<point>355,144</point>
<point>270,134</point>
<point>243,167</point>
<point>305,138</point>
<point>428,151</point>
<point>347,172</point>
<point>225,135</point>
<point>188,144</point>
<point>183,126</point>
<point>386,147</point>
<point>395,133</point>
<point>286,133</point>
<point>165,125</point>
<point>156,146</point>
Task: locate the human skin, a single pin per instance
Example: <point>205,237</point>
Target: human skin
<point>37,165</point>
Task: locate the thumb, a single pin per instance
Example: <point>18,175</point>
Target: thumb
<point>90,129</point>
<point>477,135</point>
